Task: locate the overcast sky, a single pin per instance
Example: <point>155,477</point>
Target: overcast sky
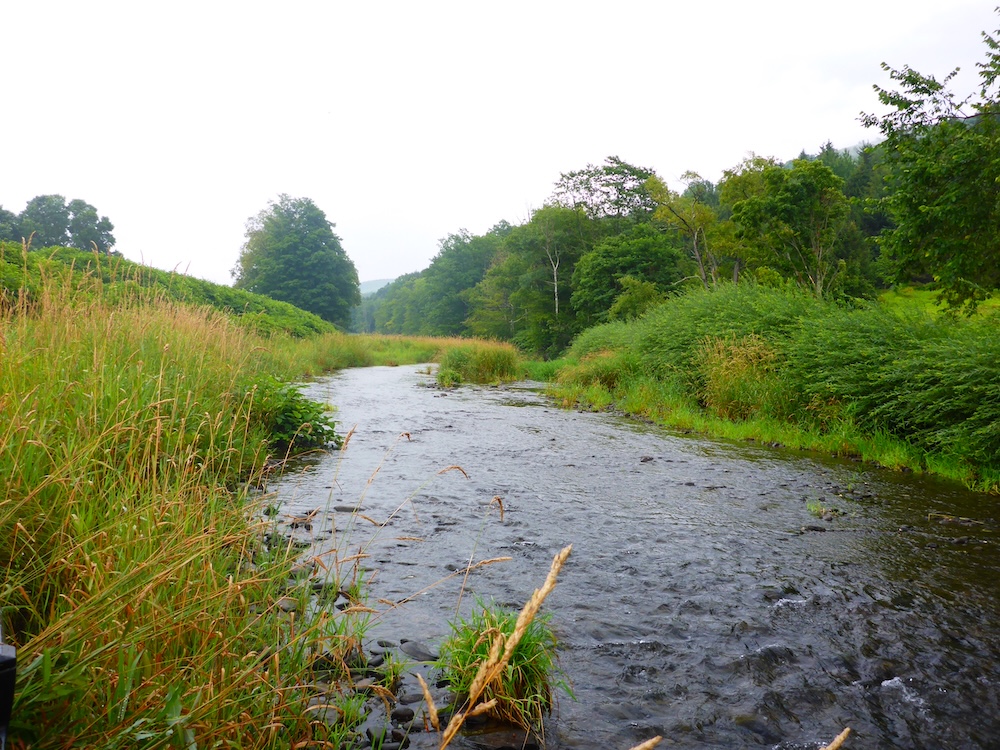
<point>407,121</point>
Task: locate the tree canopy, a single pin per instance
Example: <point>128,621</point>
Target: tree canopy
<point>943,180</point>
<point>49,221</point>
<point>291,254</point>
<point>797,221</point>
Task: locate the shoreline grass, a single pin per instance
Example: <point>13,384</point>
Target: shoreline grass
<point>139,578</point>
<point>899,388</point>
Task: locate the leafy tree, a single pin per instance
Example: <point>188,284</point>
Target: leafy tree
<point>10,226</point>
<point>943,159</point>
<point>636,298</point>
<point>47,218</point>
<point>496,302</point>
<point>644,255</point>
<point>459,265</point>
<point>797,221</point>
<point>690,215</point>
<point>87,230</point>
<point>614,190</point>
<point>55,223</point>
<point>291,254</point>
<point>403,308</point>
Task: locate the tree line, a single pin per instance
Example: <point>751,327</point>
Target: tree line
<point>614,239</point>
<point>49,221</point>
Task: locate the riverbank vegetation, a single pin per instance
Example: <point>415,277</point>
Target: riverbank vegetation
<point>149,594</point>
<point>903,388</point>
<point>139,581</point>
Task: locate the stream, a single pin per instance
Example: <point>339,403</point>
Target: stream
<point>705,600</point>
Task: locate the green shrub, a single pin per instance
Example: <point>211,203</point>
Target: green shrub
<point>670,336</point>
<point>740,379</point>
<point>290,419</point>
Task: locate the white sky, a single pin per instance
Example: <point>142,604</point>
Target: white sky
<point>407,121</point>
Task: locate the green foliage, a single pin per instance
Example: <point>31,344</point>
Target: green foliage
<point>138,586</point>
<point>607,337</point>
<point>694,219</point>
<point>636,299</point>
<point>943,159</point>
<point>524,692</point>
<point>904,388</point>
<point>291,254</point>
<point>643,254</point>
<point>796,222</point>
<point>293,421</point>
<point>24,275</point>
<point>54,223</point>
<point>479,362</point>
<point>670,336</point>
<point>615,190</point>
<point>740,379</point>
<point>933,381</point>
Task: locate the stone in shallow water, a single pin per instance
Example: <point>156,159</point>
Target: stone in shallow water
<point>417,650</point>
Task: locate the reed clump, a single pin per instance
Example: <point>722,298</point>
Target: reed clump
<point>501,663</point>
<point>479,361</point>
<point>137,577</point>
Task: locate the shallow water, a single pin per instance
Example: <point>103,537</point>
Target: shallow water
<point>693,606</point>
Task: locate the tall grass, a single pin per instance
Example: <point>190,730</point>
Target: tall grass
<point>136,578</point>
<point>478,361</point>
<point>903,388</point>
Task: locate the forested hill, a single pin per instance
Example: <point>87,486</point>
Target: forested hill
<point>26,274</point>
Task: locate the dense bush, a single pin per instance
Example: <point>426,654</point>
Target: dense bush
<point>670,337</point>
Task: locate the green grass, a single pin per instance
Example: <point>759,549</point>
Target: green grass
<point>479,361</point>
<point>898,387</point>
<point>138,578</point>
<point>524,691</point>
<point>27,274</point>
<point>911,299</point>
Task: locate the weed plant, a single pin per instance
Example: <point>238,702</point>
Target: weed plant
<point>523,692</point>
<point>136,577</point>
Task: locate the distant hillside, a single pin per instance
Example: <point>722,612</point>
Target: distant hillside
<point>370,287</point>
<point>24,275</point>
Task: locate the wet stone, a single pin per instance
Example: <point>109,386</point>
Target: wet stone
<point>417,650</point>
<point>402,714</point>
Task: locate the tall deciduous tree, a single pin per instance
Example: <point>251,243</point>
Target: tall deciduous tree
<point>10,226</point>
<point>943,159</point>
<point>645,255</point>
<point>613,190</point>
<point>87,230</point>
<point>47,218</point>
<point>54,223</point>
<point>797,221</point>
<point>693,217</point>
<point>291,254</point>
